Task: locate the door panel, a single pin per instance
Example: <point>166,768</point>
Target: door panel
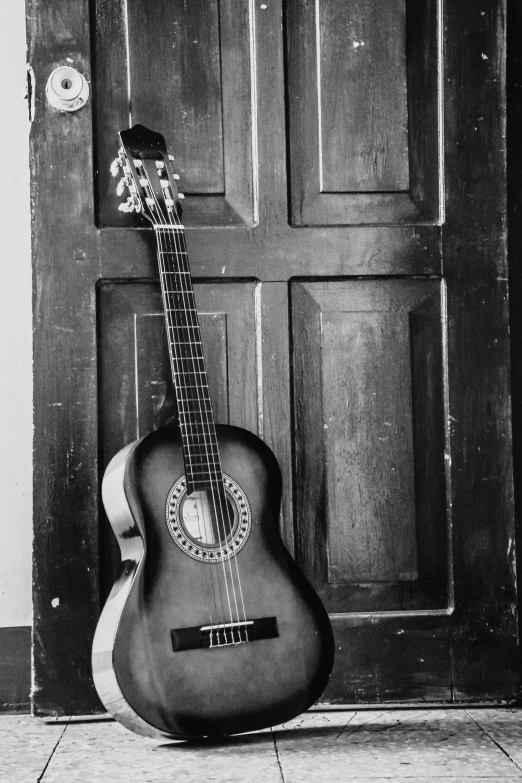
<point>187,73</point>
<point>355,318</point>
<point>136,391</point>
<point>370,481</point>
<point>363,110</point>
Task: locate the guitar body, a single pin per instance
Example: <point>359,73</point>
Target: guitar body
<point>157,690</point>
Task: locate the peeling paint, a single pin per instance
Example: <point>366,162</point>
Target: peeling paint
<point>30,94</point>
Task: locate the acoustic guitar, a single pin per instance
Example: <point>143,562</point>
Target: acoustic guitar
<point>210,629</point>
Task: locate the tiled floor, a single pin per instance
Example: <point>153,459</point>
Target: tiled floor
<point>414,745</point>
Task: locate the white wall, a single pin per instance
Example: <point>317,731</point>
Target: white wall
<point>15,325</point>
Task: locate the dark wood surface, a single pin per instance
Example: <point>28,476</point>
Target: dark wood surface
<point>192,85</point>
<point>475,265</point>
<point>363,113</point>
<point>15,669</point>
<point>366,539</point>
<point>452,633</point>
<point>514,165</point>
<point>362,93</point>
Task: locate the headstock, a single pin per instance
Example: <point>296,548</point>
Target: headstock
<point>148,177</point>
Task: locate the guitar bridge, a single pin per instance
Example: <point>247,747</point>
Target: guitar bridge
<point>222,634</point>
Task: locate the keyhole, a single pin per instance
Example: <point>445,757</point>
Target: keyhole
<point>66,84</point>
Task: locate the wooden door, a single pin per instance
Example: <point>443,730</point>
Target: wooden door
<point>344,168</point>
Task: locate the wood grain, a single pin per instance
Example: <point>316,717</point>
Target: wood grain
<point>461,425</point>
<point>363,112</point>
<point>65,256</point>
<point>474,241</point>
<point>136,390</point>
<point>368,433</point>
<point>362,96</point>
<point>361,387</point>
<point>184,70</point>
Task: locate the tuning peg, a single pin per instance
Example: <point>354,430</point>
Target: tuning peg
<point>120,187</point>
<point>115,167</point>
<point>127,206</point>
<point>181,196</point>
<point>176,176</point>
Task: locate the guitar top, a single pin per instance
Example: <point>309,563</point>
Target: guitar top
<point>210,629</point>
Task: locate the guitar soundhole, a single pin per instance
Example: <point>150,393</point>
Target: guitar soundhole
<point>209,517</point>
<point>209,526</point>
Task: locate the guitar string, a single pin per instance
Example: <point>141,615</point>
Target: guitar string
<point>189,427</point>
<point>226,510</point>
<point>215,492</point>
<point>211,589</point>
<point>169,220</point>
<point>181,249</point>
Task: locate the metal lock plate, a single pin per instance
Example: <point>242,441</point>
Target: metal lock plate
<point>67,89</point>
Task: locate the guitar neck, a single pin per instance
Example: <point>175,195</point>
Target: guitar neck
<point>196,420</point>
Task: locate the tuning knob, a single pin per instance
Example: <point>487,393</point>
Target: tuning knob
<point>127,206</point>
<point>120,187</point>
<point>181,195</point>
<point>176,176</point>
<point>115,167</point>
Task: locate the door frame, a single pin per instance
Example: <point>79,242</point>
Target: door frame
<point>481,633</point>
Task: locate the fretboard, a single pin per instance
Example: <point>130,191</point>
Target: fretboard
<point>196,421</point>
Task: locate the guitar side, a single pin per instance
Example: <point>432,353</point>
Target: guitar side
<point>131,539</point>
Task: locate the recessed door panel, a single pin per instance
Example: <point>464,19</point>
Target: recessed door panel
<point>369,395</point>
<point>136,391</point>
<point>364,114</point>
<point>184,70</point>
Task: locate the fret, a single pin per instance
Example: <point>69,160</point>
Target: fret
<point>186,354</point>
<point>198,449</point>
<point>170,289</point>
<point>206,459</point>
<point>177,324</point>
<point>173,252</point>
<point>199,440</point>
<point>187,357</point>
<point>180,322</point>
<point>195,424</point>
<point>208,471</point>
<point>185,293</point>
<point>182,358</point>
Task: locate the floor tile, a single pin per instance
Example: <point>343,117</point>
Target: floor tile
<point>403,746</point>
<point>503,726</point>
<point>109,753</point>
<point>418,745</point>
<point>26,745</point>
